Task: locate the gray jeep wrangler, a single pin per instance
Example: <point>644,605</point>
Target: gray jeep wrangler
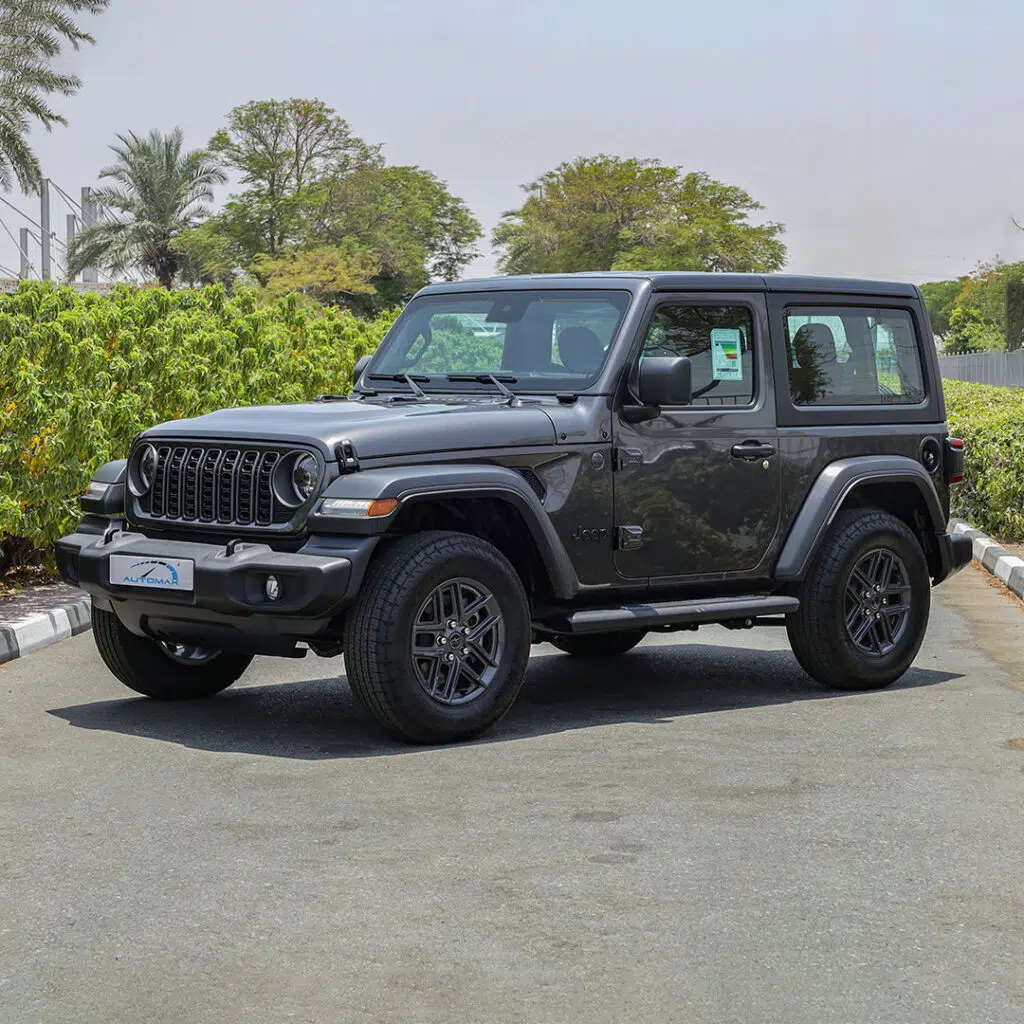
<point>579,460</point>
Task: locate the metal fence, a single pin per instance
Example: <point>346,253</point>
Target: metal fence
<point>1005,369</point>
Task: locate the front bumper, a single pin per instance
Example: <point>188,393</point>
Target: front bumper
<point>228,607</point>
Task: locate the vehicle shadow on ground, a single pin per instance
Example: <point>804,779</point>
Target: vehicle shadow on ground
<point>320,719</point>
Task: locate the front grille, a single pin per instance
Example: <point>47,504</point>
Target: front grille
<point>215,485</point>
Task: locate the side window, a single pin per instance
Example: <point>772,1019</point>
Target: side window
<point>720,343</point>
<point>853,356</point>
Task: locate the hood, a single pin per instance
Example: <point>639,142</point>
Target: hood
<point>376,427</point>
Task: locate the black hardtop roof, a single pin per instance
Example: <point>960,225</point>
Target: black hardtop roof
<point>673,281</point>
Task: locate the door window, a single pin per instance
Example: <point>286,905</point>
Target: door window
<point>719,341</point>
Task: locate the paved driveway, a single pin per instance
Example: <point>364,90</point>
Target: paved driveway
<point>694,833</point>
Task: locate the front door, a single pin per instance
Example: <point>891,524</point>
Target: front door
<point>697,488</point>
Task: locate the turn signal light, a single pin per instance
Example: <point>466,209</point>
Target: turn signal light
<point>358,509</point>
<point>956,446</point>
<point>381,507</point>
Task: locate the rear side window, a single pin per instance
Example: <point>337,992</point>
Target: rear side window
<point>719,341</point>
<point>853,356</point>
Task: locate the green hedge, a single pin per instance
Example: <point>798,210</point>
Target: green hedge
<point>991,422</point>
<point>81,375</point>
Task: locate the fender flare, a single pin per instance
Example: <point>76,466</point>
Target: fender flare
<point>827,494</point>
<point>408,484</point>
<point>112,502</point>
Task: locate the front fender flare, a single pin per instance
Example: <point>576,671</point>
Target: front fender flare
<point>830,490</point>
<point>423,482</point>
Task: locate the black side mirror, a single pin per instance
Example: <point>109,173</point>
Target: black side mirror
<point>666,380</point>
<point>361,364</point>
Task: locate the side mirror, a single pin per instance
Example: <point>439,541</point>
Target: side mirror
<point>361,364</point>
<point>666,380</point>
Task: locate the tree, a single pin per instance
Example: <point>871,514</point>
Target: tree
<point>310,184</point>
<point>161,192</point>
<point>33,34</point>
<point>969,331</point>
<point>283,148</point>
<point>940,298</point>
<point>604,213</point>
<point>327,274</point>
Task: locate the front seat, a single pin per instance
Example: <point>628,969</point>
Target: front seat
<point>818,373</point>
<point>580,350</point>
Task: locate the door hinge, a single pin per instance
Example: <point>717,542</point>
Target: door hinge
<point>628,458</point>
<point>629,538</point>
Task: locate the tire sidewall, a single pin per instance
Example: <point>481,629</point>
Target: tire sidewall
<point>882,669</point>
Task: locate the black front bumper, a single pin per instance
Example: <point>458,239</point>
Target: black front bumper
<point>228,607</point>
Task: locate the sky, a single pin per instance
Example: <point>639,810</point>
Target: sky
<point>885,134</point>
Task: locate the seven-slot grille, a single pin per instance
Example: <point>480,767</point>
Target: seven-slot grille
<point>220,485</point>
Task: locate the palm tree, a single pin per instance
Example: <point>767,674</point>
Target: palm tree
<point>160,192</point>
<point>32,33</point>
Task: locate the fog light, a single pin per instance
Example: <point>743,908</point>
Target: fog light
<point>273,588</point>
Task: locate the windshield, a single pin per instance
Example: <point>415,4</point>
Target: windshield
<point>543,340</point>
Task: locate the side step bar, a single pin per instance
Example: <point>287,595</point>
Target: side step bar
<point>672,613</point>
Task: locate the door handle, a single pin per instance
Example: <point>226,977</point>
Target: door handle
<point>751,451</point>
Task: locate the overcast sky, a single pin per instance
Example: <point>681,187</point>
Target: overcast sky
<point>885,134</point>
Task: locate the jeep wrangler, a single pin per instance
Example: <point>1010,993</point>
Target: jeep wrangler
<point>577,460</point>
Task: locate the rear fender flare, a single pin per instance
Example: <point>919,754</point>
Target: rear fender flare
<point>827,494</point>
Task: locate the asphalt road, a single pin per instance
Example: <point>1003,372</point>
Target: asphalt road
<point>692,833</point>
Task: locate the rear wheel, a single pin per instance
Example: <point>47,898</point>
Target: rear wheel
<point>161,669</point>
<point>599,645</point>
<point>436,648</point>
<point>864,604</point>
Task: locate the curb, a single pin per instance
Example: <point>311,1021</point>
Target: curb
<point>23,636</point>
<point>1009,568</point>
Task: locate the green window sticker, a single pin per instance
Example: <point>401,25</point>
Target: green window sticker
<point>726,355</point>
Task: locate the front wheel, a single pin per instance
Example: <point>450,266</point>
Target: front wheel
<point>436,648</point>
<point>163,670</point>
<point>599,645</point>
<point>864,604</point>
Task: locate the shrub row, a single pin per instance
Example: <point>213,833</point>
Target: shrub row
<point>991,422</point>
<point>80,375</point>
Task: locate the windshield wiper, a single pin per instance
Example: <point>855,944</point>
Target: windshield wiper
<point>404,378</point>
<point>488,378</point>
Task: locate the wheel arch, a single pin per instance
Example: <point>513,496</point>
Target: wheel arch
<point>494,503</point>
<point>894,484</point>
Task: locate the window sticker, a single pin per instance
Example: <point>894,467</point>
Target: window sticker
<point>725,354</point>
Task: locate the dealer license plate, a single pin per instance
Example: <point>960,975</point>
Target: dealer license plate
<point>151,573</point>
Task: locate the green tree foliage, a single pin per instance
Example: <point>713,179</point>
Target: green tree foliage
<point>969,331</point>
<point>81,375</point>
<point>940,298</point>
<point>284,150</point>
<point>33,34</point>
<point>989,419</point>
<point>326,274</point>
<point>311,184</point>
<point>1014,314</point>
<point>160,192</point>
<point>604,213</point>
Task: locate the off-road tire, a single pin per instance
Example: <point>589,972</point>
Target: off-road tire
<point>818,631</point>
<point>599,645</point>
<point>142,665</point>
<point>378,656</point>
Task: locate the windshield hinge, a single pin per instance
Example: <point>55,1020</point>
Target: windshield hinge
<point>347,460</point>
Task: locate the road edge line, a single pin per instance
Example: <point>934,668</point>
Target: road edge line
<point>41,629</point>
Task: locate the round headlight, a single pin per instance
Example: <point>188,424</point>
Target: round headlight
<point>305,476</point>
<point>140,479</point>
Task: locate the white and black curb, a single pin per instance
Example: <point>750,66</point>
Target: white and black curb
<point>23,636</point>
<point>1009,568</point>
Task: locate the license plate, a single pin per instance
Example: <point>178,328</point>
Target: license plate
<point>151,573</point>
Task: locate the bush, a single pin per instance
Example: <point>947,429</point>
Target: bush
<point>991,422</point>
<point>80,375</point>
